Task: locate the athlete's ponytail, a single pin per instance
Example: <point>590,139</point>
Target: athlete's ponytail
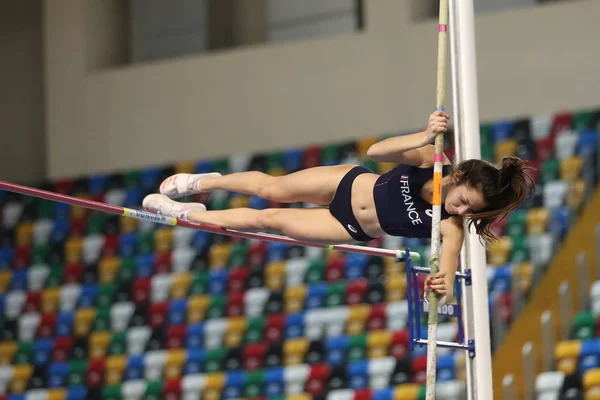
<point>503,189</point>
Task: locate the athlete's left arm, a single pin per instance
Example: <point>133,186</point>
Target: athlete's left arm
<point>453,234</point>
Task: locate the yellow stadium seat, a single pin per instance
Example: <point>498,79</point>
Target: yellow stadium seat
<point>303,396</point>
<point>57,394</point>
<point>73,250</point>
<point>592,394</point>
<point>383,167</point>
<point>84,318</point>
<point>50,300</point>
<point>277,172</point>
<point>234,333</point>
<point>239,201</point>
<point>181,285</point>
<point>108,269</point>
<point>128,225</point>
<point>395,288</point>
<point>357,318</point>
<point>294,350</point>
<point>185,167</point>
<point>362,146</point>
<point>506,148</point>
<point>275,275</point>
<point>378,343</point>
<point>499,251</point>
<point>163,239</point>
<point>99,342</point>
<point>5,279</point>
<point>115,366</point>
<point>175,360</point>
<point>570,168</point>
<point>408,391</point>
<point>197,307</point>
<point>537,221</point>
<point>294,299</point>
<point>20,378</point>
<point>392,267</point>
<point>7,351</point>
<point>218,255</point>
<point>575,193</point>
<point>24,234</point>
<point>566,354</point>
<point>78,212</point>
<point>523,276</point>
<point>214,385</point>
<point>591,380</point>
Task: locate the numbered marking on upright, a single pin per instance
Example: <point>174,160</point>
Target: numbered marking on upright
<point>448,310</point>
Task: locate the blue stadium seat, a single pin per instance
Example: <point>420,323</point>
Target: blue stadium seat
<point>97,184</point>
<point>502,131</point>
<point>274,381</point>
<point>292,160</point>
<point>57,374</point>
<point>144,265</point>
<point>358,374</point>
<point>234,385</point>
<point>128,244</point>
<point>315,296</point>
<point>258,203</point>
<point>178,311</point>
<point>133,198</point>
<point>355,266</point>
<point>276,251</point>
<point>42,349</point>
<point>150,179</point>
<point>294,325</point>
<point>195,360</point>
<point>204,167</point>
<point>336,350</point>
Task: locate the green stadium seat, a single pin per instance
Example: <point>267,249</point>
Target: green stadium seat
<point>154,390</point>
<point>77,372</point>
<point>95,224</point>
<point>215,359</point>
<point>254,384</point>
<point>520,249</point>
<point>55,277</point>
<point>199,283</point>
<point>550,170</point>
<point>216,308</point>
<point>517,223</point>
<point>330,154</point>
<point>316,271</point>
<point>336,294</point>
<point>583,120</point>
<point>24,354</point>
<point>584,326</point>
<point>255,330</point>
<point>112,392</point>
<point>357,348</point>
<point>118,345</point>
<point>132,179</point>
<point>102,321</point>
<point>239,254</point>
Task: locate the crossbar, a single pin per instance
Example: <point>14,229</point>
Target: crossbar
<point>398,255</point>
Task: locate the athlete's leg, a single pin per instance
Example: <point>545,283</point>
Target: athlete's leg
<point>311,224</point>
<point>314,185</point>
<point>315,225</point>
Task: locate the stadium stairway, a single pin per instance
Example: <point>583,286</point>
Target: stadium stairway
<point>527,328</point>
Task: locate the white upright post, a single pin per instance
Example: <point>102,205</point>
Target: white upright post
<point>467,143</point>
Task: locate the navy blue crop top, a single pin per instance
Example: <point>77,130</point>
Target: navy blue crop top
<point>400,209</point>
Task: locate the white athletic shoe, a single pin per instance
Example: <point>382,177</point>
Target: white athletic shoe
<point>180,185</point>
<point>162,205</point>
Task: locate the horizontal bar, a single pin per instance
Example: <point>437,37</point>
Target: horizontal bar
<point>138,214</point>
<point>449,345</point>
<point>425,270</point>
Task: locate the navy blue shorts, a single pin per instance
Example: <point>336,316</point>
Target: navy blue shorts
<point>341,206</point>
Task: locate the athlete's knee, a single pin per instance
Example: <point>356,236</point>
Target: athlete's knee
<point>270,189</point>
<point>270,219</point>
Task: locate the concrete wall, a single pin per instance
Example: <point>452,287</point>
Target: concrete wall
<point>21,91</point>
<point>531,60</point>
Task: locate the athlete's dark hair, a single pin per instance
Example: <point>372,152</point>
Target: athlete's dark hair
<point>503,189</point>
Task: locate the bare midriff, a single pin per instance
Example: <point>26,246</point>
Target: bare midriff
<point>363,204</point>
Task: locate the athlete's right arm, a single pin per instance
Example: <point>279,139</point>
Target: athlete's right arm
<point>414,149</point>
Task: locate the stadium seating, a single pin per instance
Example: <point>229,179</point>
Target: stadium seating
<point>95,306</point>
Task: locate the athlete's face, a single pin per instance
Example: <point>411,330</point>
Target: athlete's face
<point>463,200</point>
